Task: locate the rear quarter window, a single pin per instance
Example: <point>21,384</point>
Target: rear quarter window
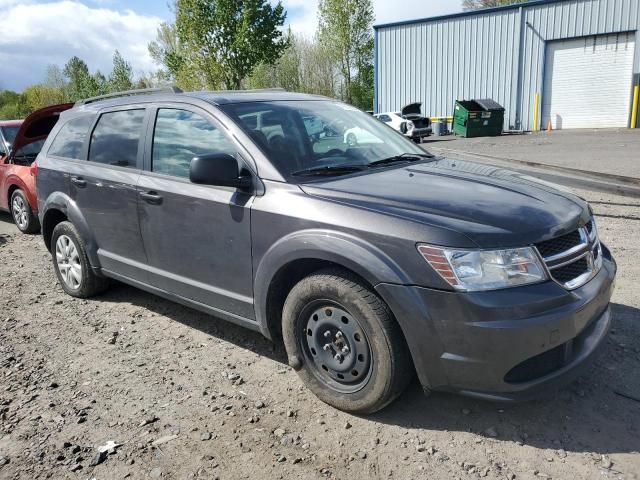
<point>70,139</point>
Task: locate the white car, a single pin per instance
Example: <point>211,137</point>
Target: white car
<point>358,136</point>
<point>409,121</point>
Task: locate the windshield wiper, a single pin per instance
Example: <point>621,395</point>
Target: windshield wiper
<point>328,170</point>
<point>405,157</point>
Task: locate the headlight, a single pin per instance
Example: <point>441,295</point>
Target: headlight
<point>474,270</point>
<point>410,125</point>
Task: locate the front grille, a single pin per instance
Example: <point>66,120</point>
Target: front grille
<point>559,245</point>
<point>569,272</point>
<point>572,259</point>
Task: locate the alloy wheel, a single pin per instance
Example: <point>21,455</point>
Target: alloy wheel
<point>20,213</point>
<point>68,261</point>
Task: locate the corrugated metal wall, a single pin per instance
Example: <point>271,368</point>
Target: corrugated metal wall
<point>479,55</point>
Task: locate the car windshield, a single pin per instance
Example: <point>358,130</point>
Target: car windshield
<point>307,137</point>
<point>9,134</point>
<point>27,154</point>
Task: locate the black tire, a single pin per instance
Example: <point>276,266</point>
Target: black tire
<point>22,214</point>
<point>389,365</point>
<point>88,282</point>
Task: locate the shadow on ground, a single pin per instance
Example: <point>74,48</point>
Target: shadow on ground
<point>586,416</point>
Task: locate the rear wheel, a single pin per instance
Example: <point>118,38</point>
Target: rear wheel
<point>74,272</point>
<point>350,350</point>
<point>22,214</point>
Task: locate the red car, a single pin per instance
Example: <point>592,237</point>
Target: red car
<point>20,143</point>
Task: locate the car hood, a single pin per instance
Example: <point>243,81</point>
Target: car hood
<point>491,206</point>
<point>38,125</point>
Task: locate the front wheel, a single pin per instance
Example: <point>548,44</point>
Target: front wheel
<point>349,348</point>
<point>22,214</point>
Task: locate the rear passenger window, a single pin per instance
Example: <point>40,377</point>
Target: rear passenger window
<point>181,135</point>
<point>70,139</point>
<point>116,138</point>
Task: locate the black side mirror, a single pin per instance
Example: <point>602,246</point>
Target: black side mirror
<point>218,169</point>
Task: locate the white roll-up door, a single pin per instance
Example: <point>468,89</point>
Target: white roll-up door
<point>587,82</point>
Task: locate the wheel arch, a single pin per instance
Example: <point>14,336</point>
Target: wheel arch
<point>298,255</point>
<point>15,183</point>
<point>59,208</point>
<point>10,189</point>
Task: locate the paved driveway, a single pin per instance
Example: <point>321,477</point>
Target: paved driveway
<point>612,151</point>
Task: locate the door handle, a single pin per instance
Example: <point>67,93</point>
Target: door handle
<point>79,181</point>
<point>151,197</point>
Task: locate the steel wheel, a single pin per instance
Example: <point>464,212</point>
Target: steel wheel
<point>335,344</point>
<point>68,262</point>
<point>20,212</point>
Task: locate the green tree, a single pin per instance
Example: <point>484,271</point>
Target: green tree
<point>41,95</point>
<point>284,73</point>
<point>319,73</point>
<point>306,66</point>
<point>121,77</point>
<point>345,28</point>
<point>226,39</point>
<point>170,53</point>
<point>81,83</point>
<point>12,105</point>
<point>56,80</point>
<point>475,4</point>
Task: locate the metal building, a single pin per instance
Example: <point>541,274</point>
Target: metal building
<point>578,59</point>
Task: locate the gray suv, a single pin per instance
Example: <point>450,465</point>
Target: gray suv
<point>369,261</point>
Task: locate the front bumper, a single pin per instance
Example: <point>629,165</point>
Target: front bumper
<point>510,344</point>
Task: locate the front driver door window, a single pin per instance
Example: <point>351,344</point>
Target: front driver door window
<point>197,237</point>
<point>181,135</point>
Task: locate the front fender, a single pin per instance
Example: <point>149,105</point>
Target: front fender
<point>363,258</point>
<point>65,204</point>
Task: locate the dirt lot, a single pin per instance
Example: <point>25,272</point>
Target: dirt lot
<point>189,396</point>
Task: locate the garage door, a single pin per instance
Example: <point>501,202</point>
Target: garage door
<point>587,82</point>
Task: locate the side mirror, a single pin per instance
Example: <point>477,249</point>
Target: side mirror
<point>218,169</point>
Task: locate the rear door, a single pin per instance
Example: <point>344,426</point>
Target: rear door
<point>197,237</point>
<point>104,189</point>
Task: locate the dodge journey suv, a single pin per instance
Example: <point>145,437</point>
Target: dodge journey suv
<point>369,261</point>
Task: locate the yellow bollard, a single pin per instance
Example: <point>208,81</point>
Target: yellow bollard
<point>536,122</point>
<point>634,107</point>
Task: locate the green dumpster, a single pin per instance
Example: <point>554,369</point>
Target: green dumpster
<point>478,118</point>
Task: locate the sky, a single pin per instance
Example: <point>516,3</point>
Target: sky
<point>37,33</point>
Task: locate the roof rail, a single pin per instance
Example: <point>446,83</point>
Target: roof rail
<point>128,93</point>
<point>247,90</point>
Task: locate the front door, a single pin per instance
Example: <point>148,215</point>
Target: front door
<point>197,237</point>
<point>104,189</point>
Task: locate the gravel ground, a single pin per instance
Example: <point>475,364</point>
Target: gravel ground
<point>184,395</point>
